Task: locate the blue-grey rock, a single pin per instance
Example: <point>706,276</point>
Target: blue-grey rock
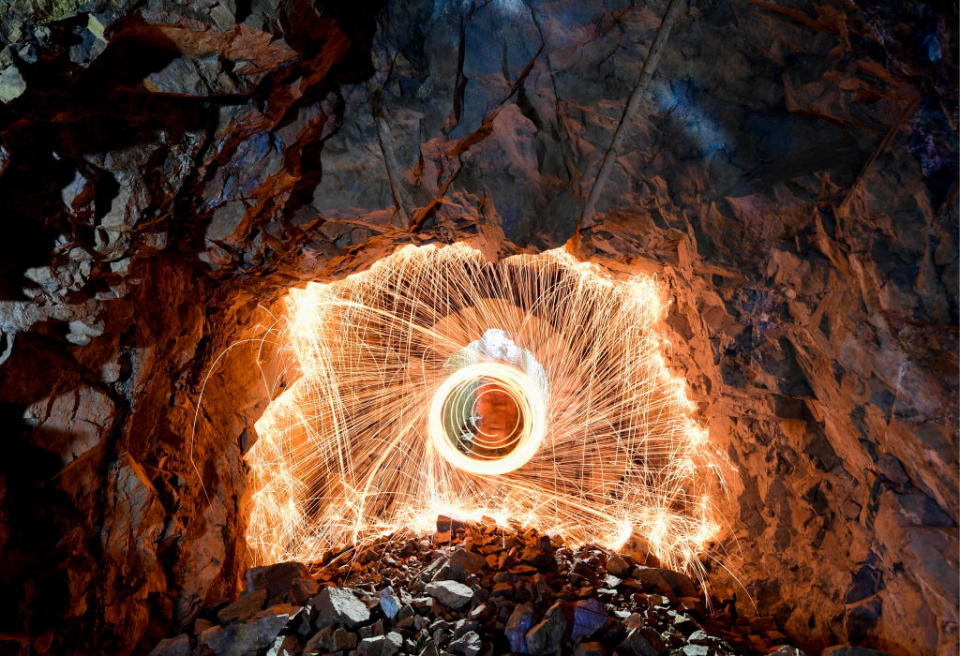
<point>519,622</point>
<point>250,637</point>
<point>468,644</point>
<point>547,636</point>
<point>589,616</point>
<point>453,594</point>
<point>389,602</point>
<point>385,645</point>
<point>339,606</point>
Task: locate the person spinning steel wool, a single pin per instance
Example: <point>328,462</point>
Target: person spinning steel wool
<point>490,418</point>
<point>496,422</point>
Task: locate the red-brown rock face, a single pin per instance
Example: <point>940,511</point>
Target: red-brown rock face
<point>168,169</point>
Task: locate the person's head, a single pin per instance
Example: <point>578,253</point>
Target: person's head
<point>498,412</point>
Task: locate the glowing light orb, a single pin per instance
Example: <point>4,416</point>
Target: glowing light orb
<point>507,446</point>
<point>532,388</point>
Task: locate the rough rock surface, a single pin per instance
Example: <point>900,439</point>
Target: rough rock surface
<point>168,169</point>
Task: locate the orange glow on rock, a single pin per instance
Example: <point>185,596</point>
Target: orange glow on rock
<point>601,446</point>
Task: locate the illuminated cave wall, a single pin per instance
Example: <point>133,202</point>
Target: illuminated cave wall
<point>383,428</point>
<point>169,170</point>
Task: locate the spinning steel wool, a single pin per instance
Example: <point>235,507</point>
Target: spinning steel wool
<point>439,382</point>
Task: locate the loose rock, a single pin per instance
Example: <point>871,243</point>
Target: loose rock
<point>339,606</point>
<point>450,593</point>
<point>547,636</point>
<point>385,645</point>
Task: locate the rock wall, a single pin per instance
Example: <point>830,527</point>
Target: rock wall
<point>169,168</point>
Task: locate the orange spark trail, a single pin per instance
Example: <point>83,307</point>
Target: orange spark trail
<point>380,430</point>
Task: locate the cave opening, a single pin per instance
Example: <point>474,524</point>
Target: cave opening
<point>402,403</point>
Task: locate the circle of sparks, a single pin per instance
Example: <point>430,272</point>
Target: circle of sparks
<point>351,449</point>
<point>525,437</point>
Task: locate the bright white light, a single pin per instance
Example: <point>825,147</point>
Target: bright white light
<point>533,415</point>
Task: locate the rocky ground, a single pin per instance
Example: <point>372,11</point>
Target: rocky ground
<point>476,589</point>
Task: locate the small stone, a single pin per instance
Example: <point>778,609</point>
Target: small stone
<point>633,621</point>
<point>248,638</point>
<point>276,579</point>
<point>302,589</point>
<point>452,594</point>
<point>547,636</point>
<point>244,607</point>
<point>684,623</point>
<point>463,563</point>
<point>439,624</point>
<point>694,650</point>
<point>429,650</point>
<point>618,566</point>
<point>670,636</point>
<point>339,606</point>
<point>385,645</point>
<point>178,646</point>
<point>462,627</point>
<point>481,612</point>
<point>341,639</point>
<point>434,569</point>
<point>441,636</point>
<point>652,578</point>
<point>284,646</point>
<point>448,524</point>
<point>12,84</point>
<point>466,645</point>
<point>330,639</point>
<point>422,604</point>
<point>538,557</point>
<point>682,585</point>
<point>692,603</point>
<point>640,642</point>
<point>316,644</point>
<point>787,650</point>
<point>82,331</point>
<point>371,630</point>
<point>389,603</point>
<point>758,642</point>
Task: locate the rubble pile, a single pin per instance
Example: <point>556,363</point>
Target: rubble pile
<point>472,589</point>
